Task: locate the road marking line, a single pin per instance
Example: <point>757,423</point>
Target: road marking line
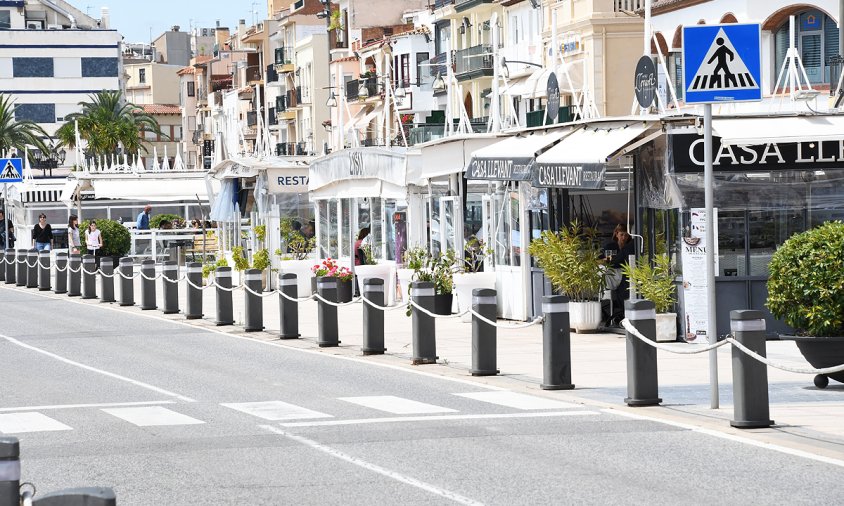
<point>447,494</point>
<point>75,406</point>
<point>275,410</point>
<point>16,423</point>
<point>396,405</point>
<point>152,416</point>
<point>98,371</point>
<point>518,401</point>
<point>733,437</point>
<point>435,418</point>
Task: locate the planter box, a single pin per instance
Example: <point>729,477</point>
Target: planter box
<point>381,271</point>
<point>443,303</point>
<point>344,290</point>
<point>464,283</point>
<point>584,317</point>
<point>302,270</point>
<point>666,327</point>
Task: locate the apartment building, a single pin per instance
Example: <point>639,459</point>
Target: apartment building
<point>173,47</point>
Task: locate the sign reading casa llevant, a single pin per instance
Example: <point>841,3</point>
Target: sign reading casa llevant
<point>500,169</point>
<point>689,154</point>
<point>562,175</point>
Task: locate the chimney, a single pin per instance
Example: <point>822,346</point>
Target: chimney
<point>176,28</point>
<point>105,19</point>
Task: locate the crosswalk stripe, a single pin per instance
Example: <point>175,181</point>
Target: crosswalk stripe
<point>275,410</point>
<point>397,405</point>
<point>518,401</point>
<point>149,416</point>
<point>16,423</point>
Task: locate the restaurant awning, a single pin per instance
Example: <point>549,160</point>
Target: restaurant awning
<point>153,190</point>
<point>783,129</point>
<point>359,172</point>
<point>511,159</point>
<point>446,156</point>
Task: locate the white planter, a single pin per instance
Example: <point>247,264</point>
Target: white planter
<point>405,276</point>
<point>302,270</point>
<point>585,317</point>
<point>666,327</point>
<point>464,283</point>
<point>381,271</point>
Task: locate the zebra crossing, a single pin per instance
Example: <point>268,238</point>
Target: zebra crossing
<point>17,421</point>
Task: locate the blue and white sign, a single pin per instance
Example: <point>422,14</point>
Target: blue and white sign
<point>11,170</point>
<point>722,63</point>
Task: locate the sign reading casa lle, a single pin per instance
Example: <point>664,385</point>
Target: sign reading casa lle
<point>689,154</point>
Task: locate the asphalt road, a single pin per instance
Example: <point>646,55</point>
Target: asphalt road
<point>167,413</point>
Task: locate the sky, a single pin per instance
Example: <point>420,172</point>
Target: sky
<point>134,19</point>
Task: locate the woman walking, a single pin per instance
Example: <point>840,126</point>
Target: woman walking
<point>74,244</point>
<point>42,234</point>
<point>93,239</point>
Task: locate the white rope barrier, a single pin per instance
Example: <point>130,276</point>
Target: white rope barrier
<point>768,362</point>
<point>385,308</point>
<point>440,316</point>
<point>237,287</point>
<point>198,287</point>
<point>124,276</point>
<point>147,277</point>
<point>259,294</point>
<point>672,349</point>
<point>354,300</point>
<point>508,326</point>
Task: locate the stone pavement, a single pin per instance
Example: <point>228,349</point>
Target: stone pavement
<point>806,418</point>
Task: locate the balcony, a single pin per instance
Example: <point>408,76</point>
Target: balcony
<point>337,40</point>
<point>251,118</point>
<point>299,96</point>
<point>253,74</point>
<point>628,5</point>
<point>272,120</point>
<point>473,62</point>
<point>283,62</point>
<point>272,75</point>
<point>465,5</point>
<point>536,118</point>
<point>292,149</point>
<point>439,4</point>
<point>424,132</point>
<point>362,89</point>
<point>292,99</point>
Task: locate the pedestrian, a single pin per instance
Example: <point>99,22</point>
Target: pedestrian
<point>2,229</point>
<point>621,292</point>
<point>10,240</point>
<point>143,218</point>
<point>94,239</point>
<point>74,244</point>
<point>360,255</point>
<point>42,234</point>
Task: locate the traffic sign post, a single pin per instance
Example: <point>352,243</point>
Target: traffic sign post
<point>721,63</point>
<point>11,171</point>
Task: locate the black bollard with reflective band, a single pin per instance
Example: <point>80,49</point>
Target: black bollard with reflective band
<point>106,280</point>
<point>10,471</point>
<point>288,309</point>
<point>32,268</point>
<point>126,273</point>
<point>148,285</point>
<point>225,313</point>
<point>373,318</point>
<point>10,267</point>
<point>253,304</point>
<point>556,344</point>
<point>329,334</point>
<point>89,277</point>
<point>44,273</point>
<point>194,275</point>
<point>2,265</point>
<point>642,379</point>
<point>424,328</point>
<point>61,273</point>
<point>74,275</point>
<point>21,263</point>
<point>751,409</point>
<point>170,286</point>
<point>89,496</point>
<point>484,335</point>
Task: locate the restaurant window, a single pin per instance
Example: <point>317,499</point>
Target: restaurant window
<point>505,224</point>
<point>5,19</point>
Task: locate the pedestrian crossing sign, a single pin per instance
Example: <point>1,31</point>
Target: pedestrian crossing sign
<point>722,63</point>
<point>11,170</point>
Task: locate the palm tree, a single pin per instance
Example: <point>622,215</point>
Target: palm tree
<point>18,134</point>
<point>108,123</point>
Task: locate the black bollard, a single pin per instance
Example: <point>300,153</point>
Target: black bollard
<point>74,275</point>
<point>44,271</point>
<point>148,285</point>
<point>373,318</point>
<point>89,277</point>
<point>329,334</point>
<point>751,409</point>
<point>288,310</point>
<point>194,275</point>
<point>10,471</point>
<point>126,270</point>
<point>106,279</point>
<point>556,344</point>
<point>642,378</point>
<point>11,257</point>
<point>22,267</point>
<point>78,497</point>
<point>484,335</point>
<point>32,268</point>
<point>254,305</point>
<point>225,313</point>
<point>61,273</point>
<point>424,327</point>
<point>170,286</point>
<point>2,265</point>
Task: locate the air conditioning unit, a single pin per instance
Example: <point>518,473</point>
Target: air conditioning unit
<point>205,32</point>
<point>34,25</point>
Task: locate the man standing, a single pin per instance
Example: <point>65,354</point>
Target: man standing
<point>143,218</point>
<point>2,230</point>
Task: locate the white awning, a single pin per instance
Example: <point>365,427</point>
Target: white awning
<point>446,156</point>
<point>359,172</point>
<point>783,129</point>
<point>151,190</point>
<point>516,87</point>
<point>594,143</point>
<point>68,194</point>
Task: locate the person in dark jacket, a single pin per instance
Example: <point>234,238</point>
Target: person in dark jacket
<point>42,234</point>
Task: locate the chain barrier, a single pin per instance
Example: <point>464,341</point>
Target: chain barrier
<point>33,265</point>
<point>133,276</point>
<point>237,287</point>
<point>103,274</point>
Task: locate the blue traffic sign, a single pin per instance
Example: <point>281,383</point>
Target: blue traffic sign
<point>11,170</point>
<point>722,63</point>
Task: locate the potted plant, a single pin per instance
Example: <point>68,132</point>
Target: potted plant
<point>472,275</point>
<point>211,267</point>
<point>444,266</point>
<point>330,268</point>
<point>370,268</point>
<point>294,256</point>
<point>571,260</point>
<point>806,290</point>
<point>655,282</point>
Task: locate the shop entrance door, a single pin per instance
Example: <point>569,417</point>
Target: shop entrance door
<point>445,219</point>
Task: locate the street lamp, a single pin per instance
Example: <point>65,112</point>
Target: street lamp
<point>506,71</point>
<point>400,92</point>
<point>439,83</point>
<point>363,92</point>
<point>332,100</point>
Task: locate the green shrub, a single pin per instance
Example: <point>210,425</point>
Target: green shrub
<point>261,259</point>
<point>117,240</point>
<point>571,260</point>
<point>241,263</point>
<point>175,219</point>
<point>654,282</point>
<point>806,283</point>
<point>207,269</point>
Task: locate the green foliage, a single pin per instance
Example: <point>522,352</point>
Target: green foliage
<point>241,263</point>
<point>336,22</point>
<point>261,259</point>
<point>18,134</point>
<point>260,232</point>
<point>298,247</point>
<point>474,254</point>
<point>571,260</point>
<point>368,255</point>
<point>175,219</point>
<point>208,268</point>
<point>438,269</point>
<point>117,240</point>
<point>806,283</point>
<point>654,282</point>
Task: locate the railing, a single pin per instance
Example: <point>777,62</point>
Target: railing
<point>356,86</point>
<point>253,74</point>
<point>281,103</point>
<point>460,3</point>
<point>352,90</point>
<point>476,59</point>
<point>438,4</point>
<point>422,132</point>
<point>299,95</point>
<point>251,118</point>
<point>291,99</point>
<point>292,149</point>
<point>272,120</point>
<point>628,5</point>
<point>430,69</point>
<point>272,75</point>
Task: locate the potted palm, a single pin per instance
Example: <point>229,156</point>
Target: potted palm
<point>655,282</point>
<point>472,274</point>
<point>571,260</point>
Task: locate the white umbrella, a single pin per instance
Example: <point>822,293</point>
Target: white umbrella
<point>165,163</point>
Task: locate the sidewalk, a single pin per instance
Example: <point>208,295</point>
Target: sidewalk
<point>806,417</point>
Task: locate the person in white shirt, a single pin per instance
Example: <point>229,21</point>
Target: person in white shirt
<point>93,239</point>
<point>74,244</point>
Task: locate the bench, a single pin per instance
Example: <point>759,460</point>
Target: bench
<point>204,244</point>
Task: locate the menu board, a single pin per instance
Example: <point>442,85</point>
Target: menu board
<point>695,286</point>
